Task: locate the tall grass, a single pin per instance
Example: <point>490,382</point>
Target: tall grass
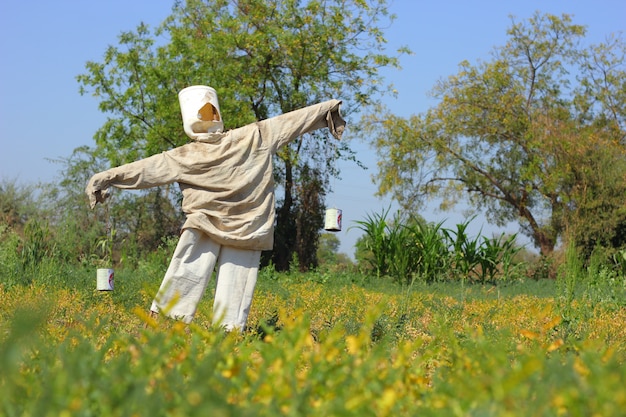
<point>409,249</point>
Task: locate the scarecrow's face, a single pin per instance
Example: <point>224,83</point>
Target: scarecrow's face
<point>200,111</point>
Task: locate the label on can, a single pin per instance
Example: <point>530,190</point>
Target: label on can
<point>104,279</point>
<point>332,221</point>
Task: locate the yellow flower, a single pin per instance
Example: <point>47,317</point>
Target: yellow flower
<point>555,345</point>
<point>353,344</point>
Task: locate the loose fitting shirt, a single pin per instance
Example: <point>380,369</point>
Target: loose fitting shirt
<point>226,181</point>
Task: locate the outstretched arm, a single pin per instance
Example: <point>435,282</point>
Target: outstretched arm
<point>288,126</point>
<point>156,170</point>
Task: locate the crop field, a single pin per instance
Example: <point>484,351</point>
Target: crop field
<point>318,344</point>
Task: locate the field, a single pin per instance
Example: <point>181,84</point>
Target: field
<point>318,344</point>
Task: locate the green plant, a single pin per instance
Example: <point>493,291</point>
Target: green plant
<point>103,256</point>
<point>104,246</point>
<point>376,242</point>
<point>619,259</point>
<point>414,249</point>
<point>434,258</point>
<point>466,253</point>
<point>10,259</point>
<point>569,278</point>
<point>37,243</point>
<point>497,258</point>
<point>314,349</point>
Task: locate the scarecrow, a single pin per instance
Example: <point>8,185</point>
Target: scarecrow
<point>227,185</point>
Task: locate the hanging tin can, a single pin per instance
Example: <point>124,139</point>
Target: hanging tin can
<point>332,222</point>
<point>105,279</point>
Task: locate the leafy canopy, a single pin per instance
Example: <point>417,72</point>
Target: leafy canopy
<point>520,136</point>
<point>264,58</point>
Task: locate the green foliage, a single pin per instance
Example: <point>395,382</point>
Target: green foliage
<point>534,135</point>
<point>619,259</point>
<point>328,253</point>
<point>37,243</point>
<point>377,242</point>
<point>466,252</point>
<point>104,245</point>
<point>140,219</point>
<point>568,283</point>
<point>10,262</point>
<point>261,67</point>
<point>406,250</point>
<point>314,349</point>
<point>599,283</point>
<point>599,218</point>
<point>17,203</point>
<point>321,343</point>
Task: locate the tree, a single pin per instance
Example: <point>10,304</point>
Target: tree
<point>140,220</point>
<point>519,136</point>
<point>310,190</point>
<point>328,255</point>
<point>17,203</point>
<point>264,58</point>
<point>598,216</point>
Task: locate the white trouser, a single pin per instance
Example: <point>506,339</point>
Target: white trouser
<point>189,273</point>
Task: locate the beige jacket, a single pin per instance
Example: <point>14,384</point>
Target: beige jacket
<point>226,181</point>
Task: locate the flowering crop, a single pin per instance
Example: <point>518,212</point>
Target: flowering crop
<point>312,349</point>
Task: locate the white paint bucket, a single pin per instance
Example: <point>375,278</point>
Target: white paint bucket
<point>105,279</point>
<point>200,110</point>
<point>332,222</point>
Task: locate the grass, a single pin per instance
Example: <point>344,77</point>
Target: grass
<point>341,345</point>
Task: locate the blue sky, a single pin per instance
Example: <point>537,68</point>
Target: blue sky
<point>44,45</point>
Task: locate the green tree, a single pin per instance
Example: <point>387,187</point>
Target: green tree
<point>598,217</point>
<point>519,136</point>
<point>328,255</point>
<point>263,57</point>
<point>140,220</point>
<point>78,229</point>
<point>17,203</point>
<point>310,190</point>
<point>328,247</point>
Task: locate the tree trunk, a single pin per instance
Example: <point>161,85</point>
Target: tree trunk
<point>284,233</point>
<point>544,242</point>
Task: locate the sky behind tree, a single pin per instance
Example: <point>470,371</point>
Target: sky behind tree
<point>44,45</point>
